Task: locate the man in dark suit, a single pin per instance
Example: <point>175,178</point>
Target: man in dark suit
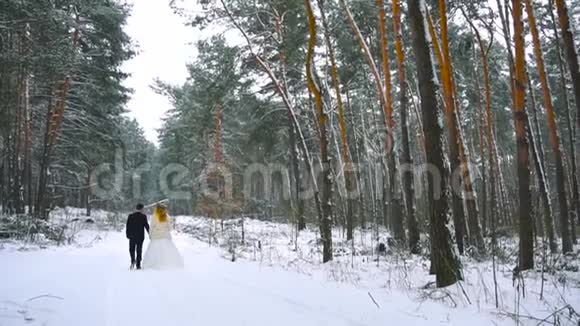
<point>136,226</point>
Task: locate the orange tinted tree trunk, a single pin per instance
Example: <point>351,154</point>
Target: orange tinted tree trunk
<point>526,249</point>
<point>395,214</point>
<point>575,200</point>
<point>553,129</point>
<point>457,201</point>
<point>377,81</point>
<point>475,233</point>
<point>492,153</point>
<point>571,54</point>
<point>348,167</point>
<point>326,220</point>
<point>406,160</point>
<point>445,261</point>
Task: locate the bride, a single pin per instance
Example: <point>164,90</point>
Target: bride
<point>161,252</point>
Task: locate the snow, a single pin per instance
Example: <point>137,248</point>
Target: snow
<point>97,289</point>
<point>281,282</point>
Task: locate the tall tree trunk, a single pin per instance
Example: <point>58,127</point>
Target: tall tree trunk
<point>406,160</point>
<point>481,127</point>
<point>526,257</point>
<point>4,131</point>
<point>554,133</point>
<point>571,134</point>
<point>326,221</point>
<point>383,101</point>
<point>571,53</point>
<point>446,263</point>
<point>538,155</point>
<point>484,173</point>
<point>40,209</point>
<point>347,165</point>
<point>27,123</point>
<point>395,215</point>
<point>301,219</point>
<point>503,11</point>
<point>27,172</point>
<point>459,156</point>
<point>452,132</point>
<point>490,132</point>
<point>18,171</point>
<point>504,18</point>
<point>475,235</point>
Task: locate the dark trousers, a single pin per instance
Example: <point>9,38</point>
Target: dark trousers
<point>136,246</point>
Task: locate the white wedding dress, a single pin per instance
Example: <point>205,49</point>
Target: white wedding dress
<point>161,252</point>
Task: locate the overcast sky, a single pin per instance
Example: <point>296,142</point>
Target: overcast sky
<point>164,47</point>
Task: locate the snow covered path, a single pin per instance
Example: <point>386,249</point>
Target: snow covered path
<point>96,288</point>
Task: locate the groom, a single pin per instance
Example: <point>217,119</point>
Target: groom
<point>136,224</point>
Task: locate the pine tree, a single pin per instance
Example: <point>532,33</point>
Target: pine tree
<point>526,257</point>
<point>406,159</point>
<point>444,258</point>
<point>554,133</point>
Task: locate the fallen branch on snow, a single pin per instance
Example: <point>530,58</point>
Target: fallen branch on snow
<point>375,301</point>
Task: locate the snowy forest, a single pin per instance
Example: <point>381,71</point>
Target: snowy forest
<point>423,153</point>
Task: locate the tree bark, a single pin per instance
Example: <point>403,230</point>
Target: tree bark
<point>406,160</point>
<point>27,172</point>
<point>297,177</point>
<point>383,101</point>
<point>538,156</point>
<point>18,160</point>
<point>526,250</point>
<point>504,18</point>
<point>553,128</point>
<point>475,234</point>
<point>326,220</point>
<point>445,261</point>
<point>457,201</point>
<point>481,127</point>
<point>571,134</point>
<point>488,114</point>
<point>394,204</point>
<point>571,53</point>
<point>345,153</point>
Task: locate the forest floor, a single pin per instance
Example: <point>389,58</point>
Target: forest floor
<point>273,281</point>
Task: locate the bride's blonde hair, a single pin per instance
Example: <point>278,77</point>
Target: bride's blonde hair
<point>161,213</point>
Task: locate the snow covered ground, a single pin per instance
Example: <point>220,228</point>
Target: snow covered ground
<point>283,283</point>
